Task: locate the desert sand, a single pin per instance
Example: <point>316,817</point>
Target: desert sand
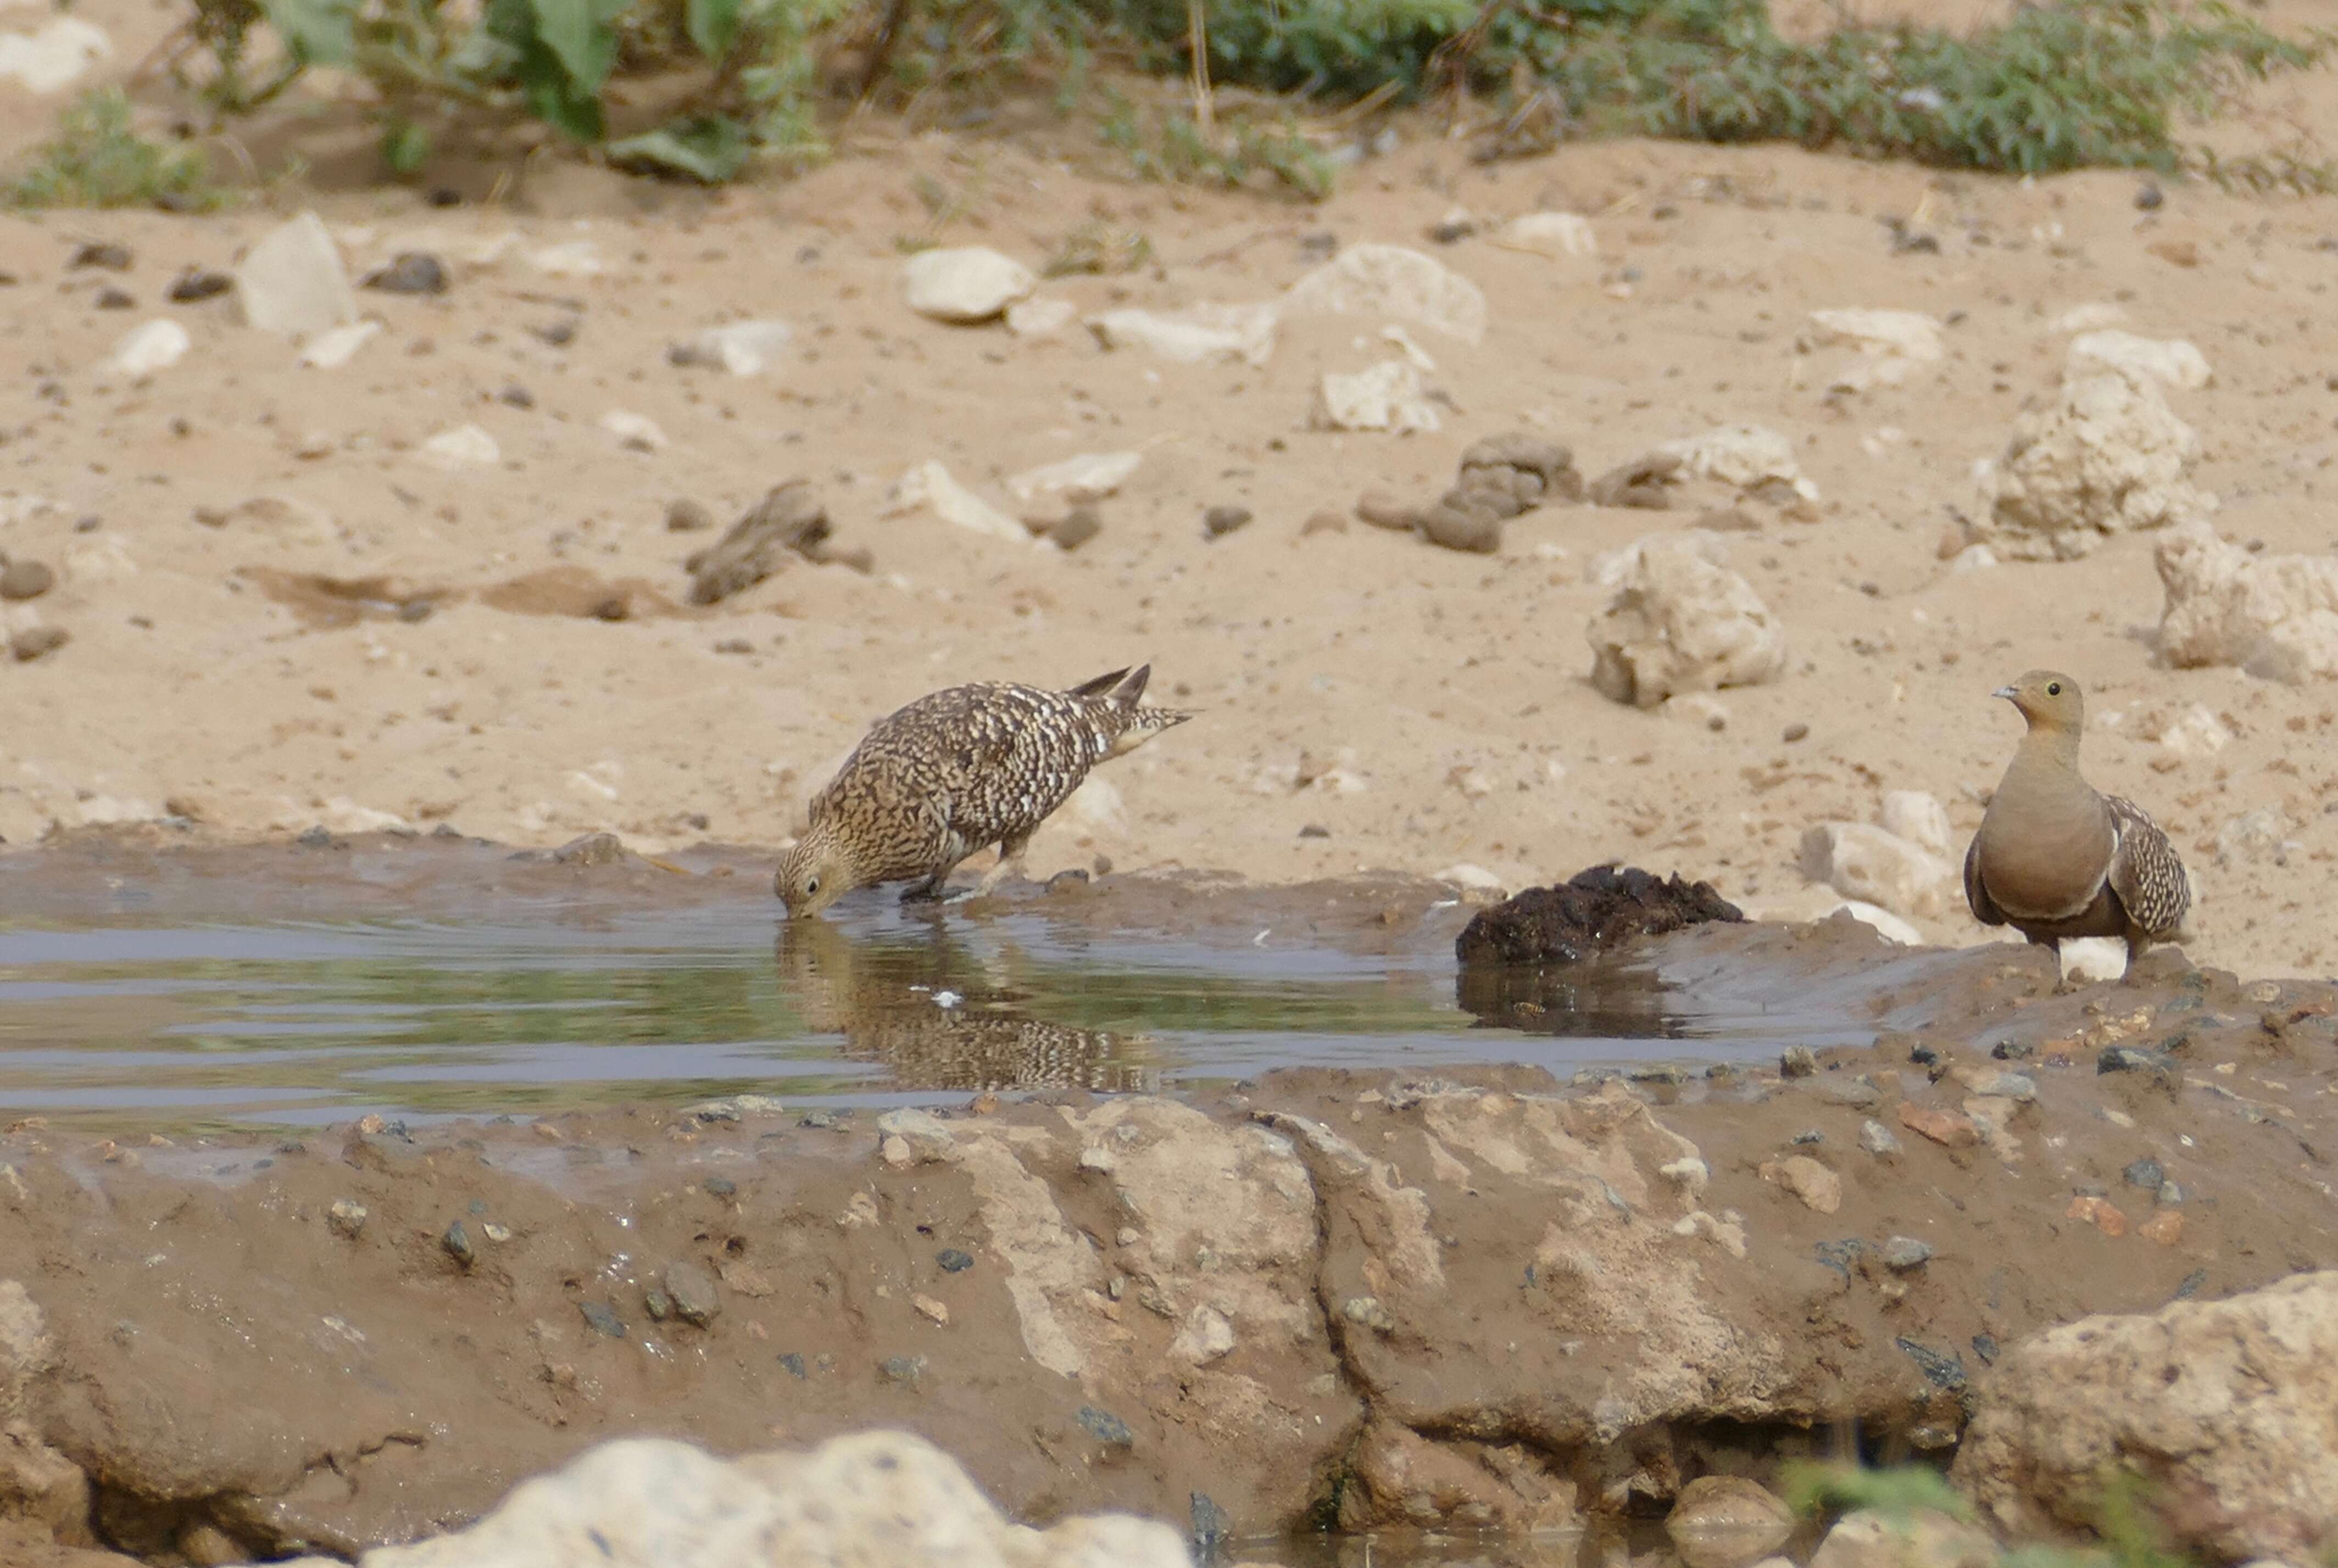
<point>234,536</point>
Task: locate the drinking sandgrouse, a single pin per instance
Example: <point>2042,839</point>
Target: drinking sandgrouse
<point>955,772</point>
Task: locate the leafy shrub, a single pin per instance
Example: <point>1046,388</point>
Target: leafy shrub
<point>2056,85</point>
<point>97,159</point>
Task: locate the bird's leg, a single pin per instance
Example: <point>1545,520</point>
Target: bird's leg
<point>928,891</point>
<point>1011,864</point>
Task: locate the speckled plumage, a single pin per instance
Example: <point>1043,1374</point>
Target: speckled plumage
<point>958,770</point>
<point>2054,860</point>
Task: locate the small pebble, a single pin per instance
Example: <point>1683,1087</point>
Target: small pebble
<point>458,1243</point>
<point>516,396</point>
<point>1315,830</point>
<point>658,1304</point>
<point>2144,1174</point>
<point>104,254</point>
<point>792,1364</point>
<point>194,284</point>
<point>1221,521</point>
<point>2171,1196</point>
<point>696,1299</point>
<point>1877,1138</point>
<point>410,273</point>
<point>1903,1253</point>
<point>1798,1061</point>
<point>684,515</point>
<point>1083,524</point>
<point>1106,1427</point>
<point>719,1187</point>
<point>904,1368</point>
<point>602,1319</point>
<point>346,1218</point>
<point>1795,731</point>
<point>37,642</point>
<point>25,580</point>
<point>954,1261</point>
<point>2150,197</point>
<point>115,300</point>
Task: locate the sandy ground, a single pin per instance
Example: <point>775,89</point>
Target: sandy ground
<point>1446,693</point>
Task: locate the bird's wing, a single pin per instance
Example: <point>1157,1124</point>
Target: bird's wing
<point>2146,871</point>
<point>1977,899</point>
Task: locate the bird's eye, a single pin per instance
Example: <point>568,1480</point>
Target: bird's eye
<point>812,885</point>
<point>2053,688</point>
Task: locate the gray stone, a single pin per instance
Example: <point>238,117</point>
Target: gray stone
<point>1903,1253</point>
<point>696,1298</point>
<point>1877,1138</point>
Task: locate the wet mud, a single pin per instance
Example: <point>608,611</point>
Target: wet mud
<point>1489,1298</point>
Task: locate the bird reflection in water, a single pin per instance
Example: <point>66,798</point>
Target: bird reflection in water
<point>937,1017</point>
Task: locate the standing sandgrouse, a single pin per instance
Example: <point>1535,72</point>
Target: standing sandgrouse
<point>2055,860</point>
<point>955,772</point>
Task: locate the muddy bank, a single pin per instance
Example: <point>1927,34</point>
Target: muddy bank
<point>1349,1298</point>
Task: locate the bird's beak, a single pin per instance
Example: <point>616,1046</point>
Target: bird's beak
<point>2004,692</point>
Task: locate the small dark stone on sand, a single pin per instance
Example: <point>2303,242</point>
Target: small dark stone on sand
<point>1923,1056</point>
<point>2154,1064</point>
<point>2146,1173</point>
<point>657,1304</point>
<point>788,522</point>
<point>1220,521</point>
<point>1903,1253</point>
<point>458,1243</point>
<point>194,284</point>
<point>2148,197</point>
<point>602,1319</point>
<point>792,1364</point>
<point>719,1187</point>
<point>559,334</point>
<point>1985,1347</point>
<point>414,611</point>
<point>1067,880</point>
<point>516,396</point>
<point>954,1261</point>
<point>444,196</point>
<point>1795,731</point>
<point>2192,1283</point>
<point>1940,1371</point>
<point>2013,1050</point>
<point>1841,1255</point>
<point>316,837</point>
<point>684,515</point>
<point>410,272</point>
<point>823,1120</point>
<point>115,300</point>
<point>25,580</point>
<point>904,1368</point>
<point>1315,830</point>
<point>105,253</point>
<point>37,642</point>
<point>1106,1427</point>
<point>1084,524</point>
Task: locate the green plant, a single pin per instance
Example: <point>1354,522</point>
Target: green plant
<point>97,159</point>
<point>1898,1493</point>
<point>1173,147</point>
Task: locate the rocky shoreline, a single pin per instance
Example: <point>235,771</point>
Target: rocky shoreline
<point>1348,1299</point>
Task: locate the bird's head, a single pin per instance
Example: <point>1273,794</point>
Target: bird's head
<point>2048,699</point>
<point>815,871</point>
